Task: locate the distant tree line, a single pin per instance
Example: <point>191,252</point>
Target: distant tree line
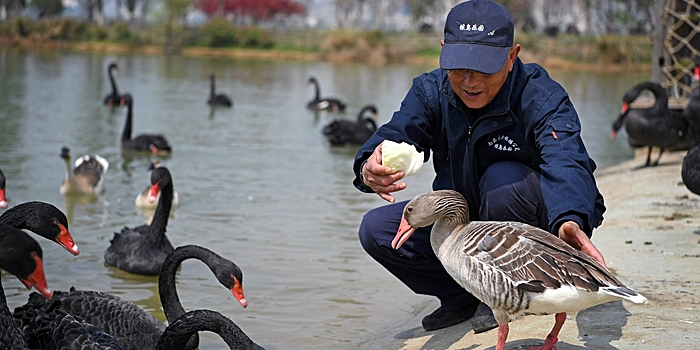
<point>541,16</point>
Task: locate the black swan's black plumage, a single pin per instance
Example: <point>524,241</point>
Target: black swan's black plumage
<point>154,143</point>
<point>190,323</point>
<point>143,249</point>
<point>130,325</point>
<point>21,256</point>
<point>321,104</point>
<point>690,170</point>
<point>349,132</point>
<point>655,126</point>
<point>219,99</point>
<point>3,200</point>
<point>44,219</point>
<point>113,98</point>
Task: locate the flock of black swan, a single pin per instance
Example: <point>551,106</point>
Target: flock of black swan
<point>89,319</point>
<point>86,319</point>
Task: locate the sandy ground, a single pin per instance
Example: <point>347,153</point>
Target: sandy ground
<point>648,241</point>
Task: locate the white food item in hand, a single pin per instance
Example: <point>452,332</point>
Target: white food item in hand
<point>401,157</point>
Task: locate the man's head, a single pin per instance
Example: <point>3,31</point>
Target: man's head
<point>478,50</point>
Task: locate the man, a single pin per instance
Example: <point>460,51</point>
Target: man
<point>503,134</point>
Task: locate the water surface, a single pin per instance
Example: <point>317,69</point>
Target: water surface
<point>258,183</point>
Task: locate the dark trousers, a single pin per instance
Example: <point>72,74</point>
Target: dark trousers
<point>509,191</point>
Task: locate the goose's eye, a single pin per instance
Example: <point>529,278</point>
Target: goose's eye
<point>409,209</point>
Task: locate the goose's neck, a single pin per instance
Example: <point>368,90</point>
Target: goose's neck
<point>452,216</point>
<point>160,217</point>
<point>70,184</point>
<point>126,134</point>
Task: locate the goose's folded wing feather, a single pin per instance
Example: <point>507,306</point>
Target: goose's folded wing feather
<point>533,260</point>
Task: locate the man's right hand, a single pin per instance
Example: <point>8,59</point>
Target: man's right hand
<point>379,177</point>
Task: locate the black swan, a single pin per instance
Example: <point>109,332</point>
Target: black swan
<point>690,170</point>
<point>154,143</point>
<point>113,98</point>
<point>347,132</point>
<point>129,324</point>
<point>321,104</point>
<point>21,256</point>
<point>514,268</point>
<point>655,126</point>
<point>87,177</point>
<point>215,99</point>
<point>178,332</point>
<point>143,249</point>
<point>44,219</point>
<point>691,112</point>
<point>3,200</point>
<point>145,199</point>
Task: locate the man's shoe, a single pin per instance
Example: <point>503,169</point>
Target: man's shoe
<point>483,319</point>
<point>441,318</point>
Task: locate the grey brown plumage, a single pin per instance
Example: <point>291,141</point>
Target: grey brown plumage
<point>86,176</point>
<point>514,268</point>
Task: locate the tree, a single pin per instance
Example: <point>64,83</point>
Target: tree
<point>263,10</point>
<point>47,8</point>
<point>174,9</point>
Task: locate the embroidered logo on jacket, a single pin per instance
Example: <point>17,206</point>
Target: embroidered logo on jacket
<point>504,143</point>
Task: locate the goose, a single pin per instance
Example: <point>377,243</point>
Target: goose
<point>130,325</point>
<point>113,99</point>
<point>87,177</point>
<point>144,198</point>
<point>143,249</point>
<point>178,332</point>
<point>321,104</point>
<point>44,219</point>
<point>3,200</point>
<point>655,126</point>
<point>346,132</point>
<point>514,268</point>
<point>154,143</point>
<point>215,99</point>
<point>21,256</point>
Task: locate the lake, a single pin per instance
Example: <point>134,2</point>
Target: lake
<point>258,183</point>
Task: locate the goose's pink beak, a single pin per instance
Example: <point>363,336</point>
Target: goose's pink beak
<point>404,233</point>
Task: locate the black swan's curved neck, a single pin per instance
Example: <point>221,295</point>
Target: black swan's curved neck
<point>177,333</point>
<point>212,90</point>
<point>160,217</point>
<point>317,88</point>
<point>112,81</point>
<point>126,134</point>
<point>167,290</point>
<point>660,97</point>
<point>8,331</point>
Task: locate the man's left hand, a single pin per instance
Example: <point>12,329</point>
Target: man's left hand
<point>572,234</point>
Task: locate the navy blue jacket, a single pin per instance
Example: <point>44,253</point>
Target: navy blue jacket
<point>530,121</point>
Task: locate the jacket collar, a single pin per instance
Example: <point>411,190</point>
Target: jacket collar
<point>500,104</point>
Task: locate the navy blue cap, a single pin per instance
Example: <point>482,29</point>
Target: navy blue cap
<point>478,36</point>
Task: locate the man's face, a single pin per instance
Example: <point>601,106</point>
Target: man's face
<point>477,89</point>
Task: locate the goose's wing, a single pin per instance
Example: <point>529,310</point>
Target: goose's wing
<point>89,170</point>
<point>535,259</point>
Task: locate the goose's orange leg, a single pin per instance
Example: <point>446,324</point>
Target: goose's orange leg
<point>502,335</point>
<point>551,341</point>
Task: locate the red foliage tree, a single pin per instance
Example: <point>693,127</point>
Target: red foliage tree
<point>262,10</point>
<point>209,7</point>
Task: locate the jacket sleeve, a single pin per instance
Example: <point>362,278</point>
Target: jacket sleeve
<point>568,185</point>
<point>412,123</point>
